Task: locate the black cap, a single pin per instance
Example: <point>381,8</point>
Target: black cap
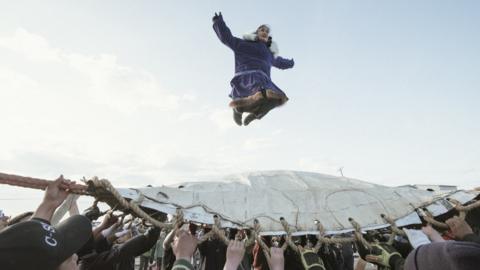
<point>35,244</point>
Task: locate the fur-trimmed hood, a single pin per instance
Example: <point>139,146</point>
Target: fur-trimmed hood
<point>253,37</point>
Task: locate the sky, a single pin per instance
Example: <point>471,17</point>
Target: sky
<point>137,92</point>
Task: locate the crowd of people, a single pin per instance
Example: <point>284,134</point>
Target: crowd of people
<point>29,241</point>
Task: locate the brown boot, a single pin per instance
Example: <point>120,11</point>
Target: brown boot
<point>247,102</point>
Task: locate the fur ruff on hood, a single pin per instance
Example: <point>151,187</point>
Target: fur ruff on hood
<point>253,37</point>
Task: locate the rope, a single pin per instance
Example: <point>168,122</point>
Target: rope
<point>215,231</point>
<point>466,208</point>
<point>358,233</point>
<point>428,217</point>
<point>132,205</point>
<point>35,183</point>
<point>257,228</point>
<point>459,207</point>
<point>393,225</point>
<point>251,240</point>
<point>100,185</point>
<point>288,238</point>
<point>325,240</point>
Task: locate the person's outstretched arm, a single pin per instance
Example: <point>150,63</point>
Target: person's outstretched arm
<point>283,63</point>
<point>55,194</point>
<point>223,32</point>
<point>139,244</point>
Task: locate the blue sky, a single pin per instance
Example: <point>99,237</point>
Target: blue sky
<point>136,91</point>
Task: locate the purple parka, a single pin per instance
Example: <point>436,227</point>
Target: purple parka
<point>253,61</point>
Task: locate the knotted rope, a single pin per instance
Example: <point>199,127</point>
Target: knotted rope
<point>358,233</point>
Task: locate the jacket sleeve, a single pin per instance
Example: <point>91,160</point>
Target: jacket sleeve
<point>472,238</point>
<point>139,244</point>
<point>224,34</point>
<point>397,263</point>
<point>282,63</point>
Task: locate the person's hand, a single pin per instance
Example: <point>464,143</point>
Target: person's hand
<point>184,245</point>
<point>277,261</point>
<point>109,233</point>
<point>55,194</point>
<point>235,252</point>
<point>108,220</point>
<point>459,227</point>
<point>217,16</point>
<point>381,254</point>
<point>432,234</point>
<point>57,191</point>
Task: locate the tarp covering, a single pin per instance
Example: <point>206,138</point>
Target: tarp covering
<point>299,197</point>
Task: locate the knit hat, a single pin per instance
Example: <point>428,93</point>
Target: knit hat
<point>450,255</point>
<point>35,244</point>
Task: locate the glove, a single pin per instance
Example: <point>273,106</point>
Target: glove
<point>382,254</point>
<point>217,16</point>
<point>311,260</point>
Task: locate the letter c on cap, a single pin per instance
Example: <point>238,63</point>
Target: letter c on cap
<point>50,241</point>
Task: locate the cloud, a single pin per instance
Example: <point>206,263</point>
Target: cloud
<point>222,119</point>
<point>32,46</point>
<point>109,83</point>
<point>254,144</point>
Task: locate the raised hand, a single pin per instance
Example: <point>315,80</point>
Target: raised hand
<point>57,191</point>
<point>184,245</point>
<point>459,227</point>
<point>235,252</point>
<point>217,16</point>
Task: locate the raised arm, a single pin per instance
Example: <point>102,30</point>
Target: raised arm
<point>223,33</point>
<point>282,63</point>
